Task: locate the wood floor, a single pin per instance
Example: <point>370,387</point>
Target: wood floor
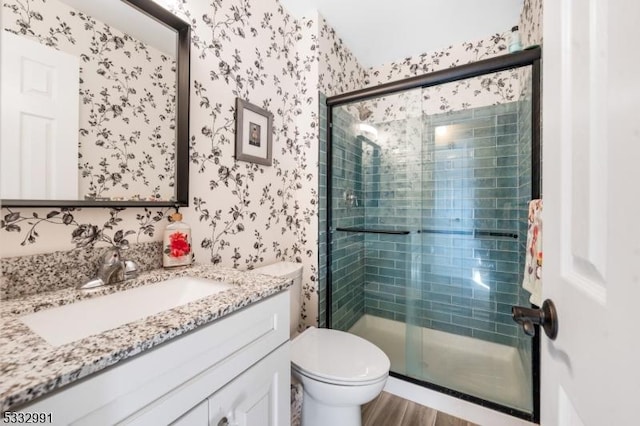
<point>391,410</point>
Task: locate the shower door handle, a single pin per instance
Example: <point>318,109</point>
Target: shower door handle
<point>528,318</point>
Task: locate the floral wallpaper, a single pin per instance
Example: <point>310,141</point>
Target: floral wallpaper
<point>447,57</point>
<point>340,70</point>
<point>127,100</point>
<point>331,68</point>
<point>242,215</point>
<point>497,88</point>
<point>486,90</point>
<point>33,231</point>
<point>531,23</point>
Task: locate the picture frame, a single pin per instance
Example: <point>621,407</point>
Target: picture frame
<point>254,133</point>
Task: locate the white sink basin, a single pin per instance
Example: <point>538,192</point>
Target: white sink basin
<point>68,323</point>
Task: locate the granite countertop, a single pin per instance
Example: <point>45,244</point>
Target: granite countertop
<point>30,367</point>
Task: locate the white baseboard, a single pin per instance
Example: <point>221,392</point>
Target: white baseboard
<point>456,407</point>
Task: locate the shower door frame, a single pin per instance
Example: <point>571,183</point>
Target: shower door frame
<point>530,57</point>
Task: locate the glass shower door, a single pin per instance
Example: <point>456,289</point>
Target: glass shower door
<point>428,221</point>
<point>376,191</point>
<point>476,186</point>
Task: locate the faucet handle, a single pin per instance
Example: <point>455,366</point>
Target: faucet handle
<point>110,257</point>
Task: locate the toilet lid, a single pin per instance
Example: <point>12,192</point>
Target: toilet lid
<point>336,356</point>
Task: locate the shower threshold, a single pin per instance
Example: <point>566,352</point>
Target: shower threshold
<point>486,370</point>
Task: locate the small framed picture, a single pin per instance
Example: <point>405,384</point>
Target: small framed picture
<point>253,133</point>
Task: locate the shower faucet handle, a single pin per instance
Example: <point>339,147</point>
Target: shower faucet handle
<point>351,198</point>
<point>528,318</point>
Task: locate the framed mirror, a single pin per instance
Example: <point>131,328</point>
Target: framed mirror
<point>94,104</point>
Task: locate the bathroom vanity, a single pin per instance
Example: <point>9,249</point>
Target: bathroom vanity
<point>219,360</point>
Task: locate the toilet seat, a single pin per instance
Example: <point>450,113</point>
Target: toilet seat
<point>337,382</point>
<point>340,358</point>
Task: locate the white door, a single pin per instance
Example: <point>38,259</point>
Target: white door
<point>591,167</point>
<point>39,114</point>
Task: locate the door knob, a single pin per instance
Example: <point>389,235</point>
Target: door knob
<point>528,318</point>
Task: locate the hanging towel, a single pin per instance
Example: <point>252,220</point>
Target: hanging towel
<point>533,263</point>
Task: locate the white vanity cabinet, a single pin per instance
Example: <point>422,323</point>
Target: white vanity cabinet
<point>256,396</point>
<point>234,371</point>
<point>198,415</point>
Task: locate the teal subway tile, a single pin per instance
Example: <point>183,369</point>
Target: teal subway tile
<point>484,131</point>
<point>384,263</point>
<point>486,213</point>
<point>388,297</point>
<point>379,279</point>
<point>506,129</point>
<point>483,304</point>
<point>437,297</point>
<point>488,121</point>
<point>445,198</point>
<point>509,288</point>
<point>479,264</point>
<point>379,313</point>
<point>479,163</point>
<point>507,139</point>
<point>505,203</point>
<point>390,272</point>
<point>456,132</point>
<point>507,225</point>
<point>504,298</point>
<point>507,182</point>
<point>371,303</point>
<point>483,315</point>
<point>451,309</point>
<point>504,319</point>
<point>385,288</point>
<point>508,330</point>
<point>461,301</point>
<point>507,150</point>
<point>485,152</point>
<point>435,316</point>
<point>487,172</point>
<point>505,160</point>
<point>392,306</point>
<point>504,308</point>
<point>400,299</point>
<point>451,328</point>
<point>507,119</point>
<point>451,290</point>
<point>371,286</point>
<point>481,142</point>
<point>473,323</point>
<point>481,183</point>
<point>512,267</point>
<point>506,246</point>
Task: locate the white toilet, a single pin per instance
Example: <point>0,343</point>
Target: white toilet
<point>339,371</point>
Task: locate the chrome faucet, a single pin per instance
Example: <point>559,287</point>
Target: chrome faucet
<point>111,270</point>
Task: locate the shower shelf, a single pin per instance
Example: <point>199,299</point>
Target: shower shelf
<point>475,233</point>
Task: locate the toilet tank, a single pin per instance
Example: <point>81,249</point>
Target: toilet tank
<point>292,271</point>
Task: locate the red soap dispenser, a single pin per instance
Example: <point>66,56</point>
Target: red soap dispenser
<point>177,243</point>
